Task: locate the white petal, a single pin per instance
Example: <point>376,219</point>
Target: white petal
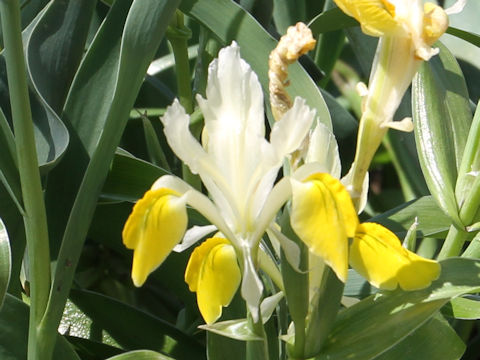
<point>193,235</point>
<point>347,182</point>
<point>269,304</point>
<point>252,286</point>
<point>456,8</point>
<point>289,132</point>
<point>323,148</point>
<point>198,201</point>
<point>176,128</point>
<point>279,195</point>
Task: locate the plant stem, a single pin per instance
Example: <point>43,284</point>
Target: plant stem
<point>35,219</point>
<point>453,243</point>
<point>178,35</point>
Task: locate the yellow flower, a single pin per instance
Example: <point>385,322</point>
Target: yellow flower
<point>324,217</point>
<point>423,25</point>
<point>407,31</point>
<point>213,273</point>
<point>238,166</point>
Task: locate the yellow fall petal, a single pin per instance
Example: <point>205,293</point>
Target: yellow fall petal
<point>376,17</point>
<point>213,273</point>
<point>377,254</point>
<point>324,217</point>
<point>156,224</point>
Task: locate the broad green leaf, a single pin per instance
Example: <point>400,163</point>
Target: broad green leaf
<point>431,219</point>
<point>88,349</point>
<point>375,324</point>
<point>129,178</point>
<point>141,355</point>
<point>55,47</point>
<point>287,13</point>
<point>463,308</point>
<point>255,47</point>
<point>220,347</point>
<point>442,117</point>
<point>357,287</point>
<point>331,20</point>
<point>234,329</point>
<point>434,340</point>
<point>14,333</point>
<point>5,262</point>
<point>135,329</point>
<point>144,28</point>
<point>85,112</point>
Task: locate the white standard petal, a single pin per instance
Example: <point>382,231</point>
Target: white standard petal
<point>199,202</point>
<point>289,132</point>
<point>323,149</point>
<point>176,128</point>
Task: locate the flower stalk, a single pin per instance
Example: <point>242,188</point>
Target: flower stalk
<point>35,219</point>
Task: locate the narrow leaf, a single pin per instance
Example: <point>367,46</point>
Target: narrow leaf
<point>442,118</point>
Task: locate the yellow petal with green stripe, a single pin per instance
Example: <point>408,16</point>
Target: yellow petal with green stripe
<point>376,17</point>
<point>377,254</point>
<point>213,273</point>
<point>324,217</point>
<point>157,223</point>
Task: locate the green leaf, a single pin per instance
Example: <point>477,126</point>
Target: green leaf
<point>255,47</point>
<point>135,329</point>
<point>287,13</point>
<point>8,164</point>
<point>14,333</point>
<point>143,30</point>
<point>331,20</point>
<point>234,329</point>
<point>463,308</point>
<point>442,117</point>
<point>5,262</point>
<point>141,355</point>
<point>375,324</point>
<point>129,178</point>
<point>431,219</point>
<point>471,37</point>
<point>55,47</point>
<point>434,340</point>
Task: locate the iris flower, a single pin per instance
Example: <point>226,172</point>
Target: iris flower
<point>238,167</point>
<point>407,30</point>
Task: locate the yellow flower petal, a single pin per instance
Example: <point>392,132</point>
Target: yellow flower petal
<point>377,254</point>
<point>213,273</point>
<point>376,17</point>
<point>435,22</point>
<point>324,217</point>
<point>156,224</point>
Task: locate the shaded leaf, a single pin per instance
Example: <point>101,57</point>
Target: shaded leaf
<point>150,332</point>
<point>14,333</point>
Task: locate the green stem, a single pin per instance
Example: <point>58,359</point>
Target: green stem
<point>257,350</point>
<point>178,35</point>
<point>35,217</point>
<point>453,243</point>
